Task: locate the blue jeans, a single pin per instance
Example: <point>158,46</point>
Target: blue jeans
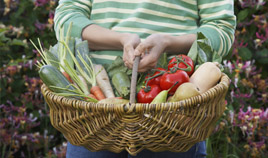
<point>197,151</point>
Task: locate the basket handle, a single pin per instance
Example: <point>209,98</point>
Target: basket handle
<point>134,79</point>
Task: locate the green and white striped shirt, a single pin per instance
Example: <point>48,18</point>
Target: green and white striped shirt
<point>214,18</point>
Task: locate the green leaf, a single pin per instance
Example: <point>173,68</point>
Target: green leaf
<point>3,38</point>
<point>200,36</point>
<point>245,53</point>
<point>202,57</point>
<point>29,105</point>
<point>162,61</point>
<point>206,49</point>
<point>251,31</point>
<point>242,15</point>
<point>3,84</point>
<point>140,81</point>
<point>216,57</point>
<point>53,59</point>
<point>54,50</point>
<point>117,66</point>
<point>193,53</point>
<point>36,113</point>
<point>229,55</point>
<point>262,56</point>
<point>18,43</point>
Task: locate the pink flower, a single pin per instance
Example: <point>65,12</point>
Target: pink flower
<point>264,115</point>
<point>228,65</point>
<point>250,3</point>
<point>40,3</point>
<point>262,37</point>
<point>40,26</point>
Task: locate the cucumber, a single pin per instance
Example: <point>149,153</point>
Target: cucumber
<point>121,83</point>
<point>51,76</point>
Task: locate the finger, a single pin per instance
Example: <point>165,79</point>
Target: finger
<point>151,58</point>
<point>129,54</point>
<point>129,65</point>
<point>146,63</point>
<point>144,54</point>
<point>125,56</point>
<point>145,69</point>
<point>148,60</point>
<point>141,49</point>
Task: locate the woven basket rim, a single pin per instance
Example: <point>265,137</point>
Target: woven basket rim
<point>222,86</point>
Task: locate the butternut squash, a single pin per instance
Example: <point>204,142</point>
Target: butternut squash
<point>206,76</point>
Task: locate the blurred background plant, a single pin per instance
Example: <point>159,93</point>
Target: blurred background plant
<point>25,129</point>
<point>242,131</point>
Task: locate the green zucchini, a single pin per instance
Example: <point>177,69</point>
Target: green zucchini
<point>121,82</point>
<point>52,78</point>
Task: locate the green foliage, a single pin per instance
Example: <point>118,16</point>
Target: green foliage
<point>244,53</point>
<point>242,15</point>
<point>241,132</point>
<point>24,117</point>
<point>262,56</point>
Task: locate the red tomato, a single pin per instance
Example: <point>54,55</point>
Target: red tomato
<point>145,96</point>
<point>169,79</point>
<point>155,80</point>
<point>174,62</point>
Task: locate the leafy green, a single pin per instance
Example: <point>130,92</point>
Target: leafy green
<point>193,51</point>
<point>201,51</point>
<point>118,66</point>
<point>163,61</point>
<point>118,71</point>
<point>54,50</point>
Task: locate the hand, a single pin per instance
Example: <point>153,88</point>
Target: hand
<point>150,50</point>
<point>129,42</point>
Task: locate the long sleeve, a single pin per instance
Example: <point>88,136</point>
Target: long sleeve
<point>216,19</point>
<point>76,11</point>
<point>217,23</point>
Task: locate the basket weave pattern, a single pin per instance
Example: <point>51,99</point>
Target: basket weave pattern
<point>133,127</point>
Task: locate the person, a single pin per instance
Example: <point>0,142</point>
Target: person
<point>148,28</point>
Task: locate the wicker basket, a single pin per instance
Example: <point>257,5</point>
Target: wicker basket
<point>133,127</point>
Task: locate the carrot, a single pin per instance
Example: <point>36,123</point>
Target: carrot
<point>91,96</point>
<point>67,76</point>
<point>96,91</point>
<point>118,97</point>
<point>103,81</point>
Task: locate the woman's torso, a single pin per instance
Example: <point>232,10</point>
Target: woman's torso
<point>143,17</point>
